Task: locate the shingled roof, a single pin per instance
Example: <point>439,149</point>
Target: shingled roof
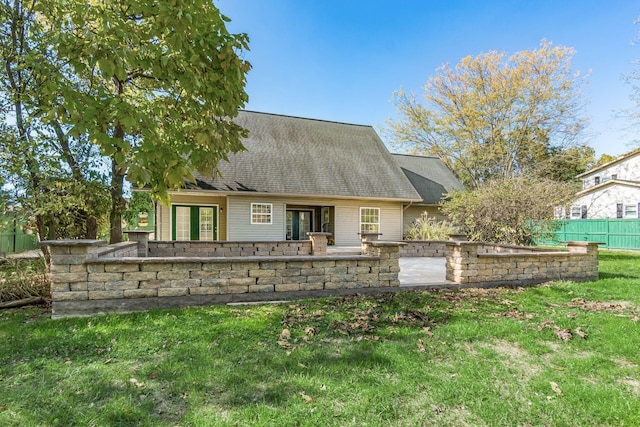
<point>296,156</point>
<point>429,176</point>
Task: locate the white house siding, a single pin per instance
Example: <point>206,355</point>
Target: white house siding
<point>347,218</point>
<point>164,212</point>
<point>627,169</point>
<point>602,203</point>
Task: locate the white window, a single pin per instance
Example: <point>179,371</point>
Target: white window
<point>261,213</point>
<point>369,220</point>
<point>206,224</point>
<point>630,211</point>
<point>576,212</point>
<point>183,223</point>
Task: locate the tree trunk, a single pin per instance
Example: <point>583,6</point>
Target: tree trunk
<point>92,228</point>
<point>117,204</point>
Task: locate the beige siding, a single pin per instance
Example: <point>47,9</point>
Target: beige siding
<point>413,212</point>
<point>239,219</point>
<point>235,211</point>
<point>347,218</point>
<point>164,212</point>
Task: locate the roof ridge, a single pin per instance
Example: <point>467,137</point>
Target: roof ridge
<point>305,118</point>
<point>415,155</point>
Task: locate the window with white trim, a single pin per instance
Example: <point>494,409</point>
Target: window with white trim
<point>369,220</point>
<point>631,211</point>
<point>261,213</point>
<point>576,212</point>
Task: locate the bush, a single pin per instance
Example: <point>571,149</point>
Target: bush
<point>426,228</point>
<point>513,211</point>
<point>23,279</point>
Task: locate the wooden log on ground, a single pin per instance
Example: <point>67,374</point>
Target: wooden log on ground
<point>22,302</point>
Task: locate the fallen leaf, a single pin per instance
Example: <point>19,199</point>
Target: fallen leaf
<point>307,399</point>
<point>546,324</point>
<point>421,347</point>
<point>555,388</point>
<point>436,409</point>
<point>564,334</point>
<point>136,383</point>
<point>311,330</point>
<point>581,333</point>
<point>285,335</point>
<point>427,331</point>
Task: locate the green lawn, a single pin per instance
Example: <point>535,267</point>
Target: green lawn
<point>557,354</point>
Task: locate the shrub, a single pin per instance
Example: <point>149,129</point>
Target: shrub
<point>428,228</point>
<point>510,211</point>
<point>23,279</point>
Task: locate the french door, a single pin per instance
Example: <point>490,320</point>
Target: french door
<point>194,222</point>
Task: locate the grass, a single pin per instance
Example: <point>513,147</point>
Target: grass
<point>558,354</point>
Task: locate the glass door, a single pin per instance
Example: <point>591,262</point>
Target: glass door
<point>299,223</point>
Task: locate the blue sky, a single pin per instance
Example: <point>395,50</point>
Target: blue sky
<point>342,60</point>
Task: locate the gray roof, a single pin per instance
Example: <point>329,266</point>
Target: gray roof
<point>297,156</point>
<point>429,176</point>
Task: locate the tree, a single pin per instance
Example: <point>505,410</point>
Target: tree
<point>154,85</point>
<point>497,117</point>
<point>55,176</point>
<point>508,210</point>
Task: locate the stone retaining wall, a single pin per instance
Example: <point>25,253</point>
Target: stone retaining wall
<point>423,248</point>
<point>89,279</point>
<point>480,263</point>
<point>228,249</point>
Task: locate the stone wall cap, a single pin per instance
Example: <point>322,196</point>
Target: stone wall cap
<point>210,260</point>
<point>379,243</point>
<point>525,254</point>
<point>73,242</point>
<point>316,233</point>
<point>247,242</point>
<point>138,231</point>
<point>582,243</point>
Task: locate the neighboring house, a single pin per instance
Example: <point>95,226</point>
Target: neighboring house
<point>611,190</point>
<point>431,179</point>
<point>298,175</point>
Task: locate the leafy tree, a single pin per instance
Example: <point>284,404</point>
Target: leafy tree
<point>494,117</point>
<point>55,176</point>
<point>510,211</point>
<point>155,85</point>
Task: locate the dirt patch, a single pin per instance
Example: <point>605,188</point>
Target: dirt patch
<point>614,306</point>
<point>623,363</point>
<point>514,357</point>
<point>633,385</point>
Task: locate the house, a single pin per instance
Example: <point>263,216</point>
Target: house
<point>611,190</point>
<point>431,179</point>
<point>299,175</point>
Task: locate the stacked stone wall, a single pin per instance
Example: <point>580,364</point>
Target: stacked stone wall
<point>423,248</point>
<point>88,279</point>
<point>470,262</point>
<point>228,249</point>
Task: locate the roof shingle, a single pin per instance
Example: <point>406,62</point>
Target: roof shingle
<point>297,156</point>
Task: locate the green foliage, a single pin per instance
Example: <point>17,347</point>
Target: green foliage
<point>55,176</point>
<point>140,201</point>
<point>510,211</point>
<point>162,82</point>
<point>429,228</point>
<point>496,117</point>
